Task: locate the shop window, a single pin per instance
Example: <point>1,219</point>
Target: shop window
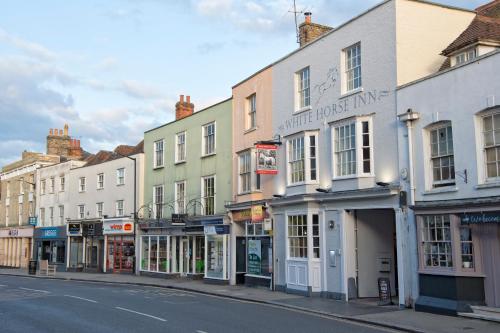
<point>466,247</point>
<point>436,241</point>
<point>162,254</point>
<point>208,139</point>
<point>259,250</point>
<point>208,195</point>
<point>215,256</point>
<point>76,252</point>
<point>442,158</point>
<point>145,253</point>
<point>200,255</point>
<point>315,236</point>
<point>297,236</point>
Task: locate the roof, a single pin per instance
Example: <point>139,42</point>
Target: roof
<point>491,9</point>
<point>119,152</point>
<point>482,28</point>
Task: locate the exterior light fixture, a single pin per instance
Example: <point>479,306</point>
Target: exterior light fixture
<point>384,184</point>
<point>324,190</point>
<point>278,195</point>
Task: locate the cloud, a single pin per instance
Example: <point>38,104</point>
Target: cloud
<point>209,47</point>
<point>107,64</point>
<point>31,48</point>
<point>139,90</point>
<point>213,7</point>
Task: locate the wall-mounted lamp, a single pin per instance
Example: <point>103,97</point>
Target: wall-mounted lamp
<point>383,184</point>
<point>278,195</point>
<point>331,224</point>
<point>324,190</point>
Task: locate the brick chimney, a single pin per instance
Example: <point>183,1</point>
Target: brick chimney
<point>309,31</point>
<point>60,143</point>
<point>183,109</point>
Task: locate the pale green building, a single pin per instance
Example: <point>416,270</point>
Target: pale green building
<point>188,167</point>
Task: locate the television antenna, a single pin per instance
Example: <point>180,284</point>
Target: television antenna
<point>295,12</point>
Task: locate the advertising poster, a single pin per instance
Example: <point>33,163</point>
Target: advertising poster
<point>266,159</point>
<point>254,257</point>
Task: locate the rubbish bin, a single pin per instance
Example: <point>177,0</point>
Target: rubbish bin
<point>32,267</point>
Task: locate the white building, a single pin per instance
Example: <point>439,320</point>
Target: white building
<point>52,206</point>
<point>101,225</point>
<point>454,140</point>
<point>334,106</point>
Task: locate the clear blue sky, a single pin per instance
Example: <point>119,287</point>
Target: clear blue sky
<point>113,69</point>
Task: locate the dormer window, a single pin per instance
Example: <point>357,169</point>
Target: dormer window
<point>465,56</point>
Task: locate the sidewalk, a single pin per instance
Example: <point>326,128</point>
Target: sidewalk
<point>391,317</point>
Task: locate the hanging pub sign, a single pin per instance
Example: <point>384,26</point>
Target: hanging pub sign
<point>480,218</point>
<point>266,159</point>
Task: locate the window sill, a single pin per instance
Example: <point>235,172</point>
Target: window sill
<point>494,184</point>
<point>304,109</point>
<point>180,162</point>
<point>100,188</point>
<point>303,183</point>
<point>158,167</point>
<point>438,190</point>
<point>355,176</point>
<point>351,92</point>
<point>208,155</point>
<point>250,130</point>
<point>120,184</point>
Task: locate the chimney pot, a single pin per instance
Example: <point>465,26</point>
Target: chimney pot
<point>51,131</point>
<point>307,16</point>
<point>66,127</point>
<point>60,132</point>
<point>181,98</point>
<point>188,99</point>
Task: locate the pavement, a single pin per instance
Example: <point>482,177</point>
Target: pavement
<point>389,317</point>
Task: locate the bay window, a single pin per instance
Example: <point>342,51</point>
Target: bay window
<point>352,142</point>
<point>302,155</point>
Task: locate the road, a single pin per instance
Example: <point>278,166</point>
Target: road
<point>41,305</point>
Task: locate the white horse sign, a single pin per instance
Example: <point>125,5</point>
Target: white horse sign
<point>266,159</point>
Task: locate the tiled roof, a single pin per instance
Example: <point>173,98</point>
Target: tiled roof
<point>491,9</point>
<point>481,28</point>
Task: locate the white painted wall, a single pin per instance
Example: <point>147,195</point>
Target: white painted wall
<point>111,192</point>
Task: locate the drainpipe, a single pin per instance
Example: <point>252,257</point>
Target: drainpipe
<point>408,118</point>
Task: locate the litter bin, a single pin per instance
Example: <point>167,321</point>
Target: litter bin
<point>32,267</point>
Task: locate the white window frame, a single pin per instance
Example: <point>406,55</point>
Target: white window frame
<point>81,211</point>
<point>245,187</point>
<point>204,144</point>
<point>120,176</point>
<point>158,205</point>
<point>494,146</point>
<point>82,184</point>
<point>120,208</point>
<point>61,214</point>
<point>157,158</point>
<point>180,207</point>
<point>465,56</point>
<point>100,183</point>
<point>307,158</point>
<point>430,130</point>
<point>251,115</point>
<point>99,209</point>
<point>51,215</point>
<point>351,69</point>
<point>358,137</point>
<point>180,149</point>
<point>204,196</point>
<point>62,183</point>
<point>303,89</point>
<point>52,187</point>
<point>43,185</point>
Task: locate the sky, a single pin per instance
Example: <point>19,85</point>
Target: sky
<point>113,69</point>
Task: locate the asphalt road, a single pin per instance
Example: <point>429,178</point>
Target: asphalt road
<point>40,305</point>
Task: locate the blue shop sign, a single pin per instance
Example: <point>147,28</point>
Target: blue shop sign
<point>50,232</point>
<point>480,218</point>
<point>222,229</point>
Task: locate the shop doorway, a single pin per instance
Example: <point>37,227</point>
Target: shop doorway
<point>375,250</point>
<point>185,256</point>
<point>241,259</point>
<point>93,253</point>
<point>121,252</point>
<point>490,253</point>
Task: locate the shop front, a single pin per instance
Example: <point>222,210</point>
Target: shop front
<point>85,246</point>
<point>119,245</point>
<point>459,252</point>
<point>50,244</point>
<point>254,246</point>
<point>216,244</point>
<point>16,246</point>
